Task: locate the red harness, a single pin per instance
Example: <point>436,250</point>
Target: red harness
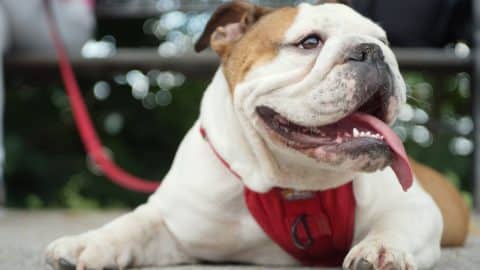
<point>316,228</point>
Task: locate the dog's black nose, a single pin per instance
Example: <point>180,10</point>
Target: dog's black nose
<point>365,52</point>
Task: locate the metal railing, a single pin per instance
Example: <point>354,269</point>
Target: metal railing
<point>199,65</point>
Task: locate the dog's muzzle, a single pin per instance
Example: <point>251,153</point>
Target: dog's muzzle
<point>361,136</point>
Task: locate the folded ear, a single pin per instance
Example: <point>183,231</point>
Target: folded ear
<point>228,24</point>
<point>345,2</point>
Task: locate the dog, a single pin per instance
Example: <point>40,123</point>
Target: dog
<point>23,29</point>
<point>291,161</point>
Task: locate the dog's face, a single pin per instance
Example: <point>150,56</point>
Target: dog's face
<point>312,85</point>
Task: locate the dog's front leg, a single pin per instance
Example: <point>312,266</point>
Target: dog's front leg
<point>395,230</point>
<point>137,239</point>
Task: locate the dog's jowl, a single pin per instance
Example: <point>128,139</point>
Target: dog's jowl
<point>291,161</point>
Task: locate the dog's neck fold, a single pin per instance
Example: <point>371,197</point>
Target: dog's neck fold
<point>239,144</point>
<point>218,118</point>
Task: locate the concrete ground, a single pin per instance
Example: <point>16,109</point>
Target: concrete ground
<point>24,235</point>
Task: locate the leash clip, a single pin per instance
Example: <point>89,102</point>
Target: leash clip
<point>302,219</point>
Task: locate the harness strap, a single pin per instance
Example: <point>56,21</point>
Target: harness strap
<point>223,161</point>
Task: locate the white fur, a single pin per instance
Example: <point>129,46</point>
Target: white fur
<point>199,212</point>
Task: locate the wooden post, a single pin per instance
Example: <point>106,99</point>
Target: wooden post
<point>476,102</point>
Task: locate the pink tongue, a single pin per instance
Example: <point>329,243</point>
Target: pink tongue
<point>400,163</point>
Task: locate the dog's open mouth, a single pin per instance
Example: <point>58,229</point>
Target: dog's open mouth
<point>356,134</point>
<point>347,130</point>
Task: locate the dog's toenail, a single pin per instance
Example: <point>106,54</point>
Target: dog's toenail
<point>65,265</point>
<point>364,265</point>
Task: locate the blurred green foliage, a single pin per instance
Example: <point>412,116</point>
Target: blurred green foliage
<point>446,100</point>
<point>46,164</point>
<point>47,167</point>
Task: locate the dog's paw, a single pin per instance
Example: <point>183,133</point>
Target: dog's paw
<point>87,251</point>
<point>377,255</point>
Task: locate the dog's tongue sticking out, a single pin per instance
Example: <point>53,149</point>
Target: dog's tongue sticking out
<point>400,164</point>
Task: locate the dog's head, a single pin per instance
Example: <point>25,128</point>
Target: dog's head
<point>314,86</point>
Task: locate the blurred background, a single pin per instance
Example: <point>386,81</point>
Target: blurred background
<point>143,86</point>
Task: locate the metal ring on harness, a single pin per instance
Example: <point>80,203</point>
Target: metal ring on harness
<point>294,233</point>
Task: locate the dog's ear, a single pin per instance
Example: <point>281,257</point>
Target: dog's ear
<point>345,2</point>
<point>228,24</point>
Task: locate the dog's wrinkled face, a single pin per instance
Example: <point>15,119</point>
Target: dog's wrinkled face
<point>313,85</point>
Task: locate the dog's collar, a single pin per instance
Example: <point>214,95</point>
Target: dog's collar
<point>315,227</point>
<point>203,132</point>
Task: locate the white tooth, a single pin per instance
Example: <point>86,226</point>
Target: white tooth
<point>355,132</point>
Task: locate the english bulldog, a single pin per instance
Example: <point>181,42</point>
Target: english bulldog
<point>291,161</point>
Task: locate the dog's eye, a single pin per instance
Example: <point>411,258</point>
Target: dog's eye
<point>310,42</point>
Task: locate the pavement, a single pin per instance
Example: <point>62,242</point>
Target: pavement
<point>24,235</point>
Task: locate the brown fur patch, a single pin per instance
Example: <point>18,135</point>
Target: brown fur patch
<point>455,212</point>
<point>240,12</point>
<point>474,229</point>
<point>259,44</point>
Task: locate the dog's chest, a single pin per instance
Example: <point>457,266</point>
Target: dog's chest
<point>216,231</point>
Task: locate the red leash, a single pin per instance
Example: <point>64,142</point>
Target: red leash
<point>90,139</point>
